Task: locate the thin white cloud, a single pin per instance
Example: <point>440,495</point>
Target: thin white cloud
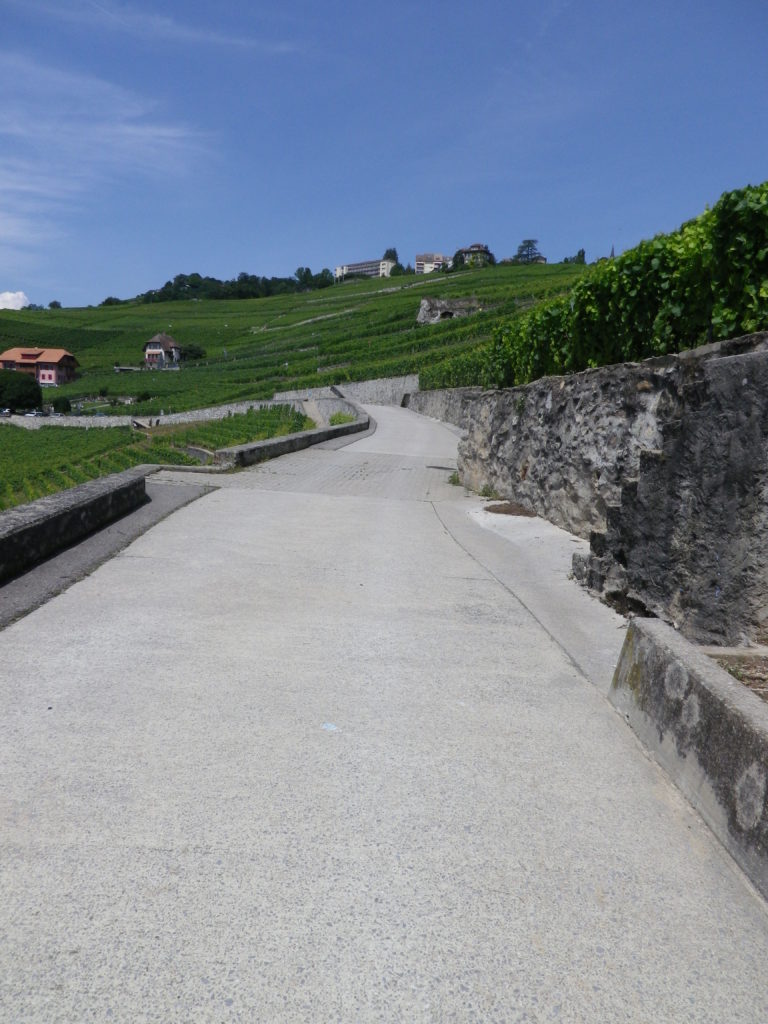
<point>150,26</point>
<point>62,136</point>
<point>85,120</point>
<point>13,300</point>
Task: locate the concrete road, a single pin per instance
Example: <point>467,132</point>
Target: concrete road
<point>329,744</point>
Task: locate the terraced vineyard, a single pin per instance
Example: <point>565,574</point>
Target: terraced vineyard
<point>39,462</point>
<point>255,347</point>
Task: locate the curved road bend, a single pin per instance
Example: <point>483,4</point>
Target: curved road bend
<point>320,746</point>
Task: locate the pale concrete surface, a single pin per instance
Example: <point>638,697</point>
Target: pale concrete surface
<point>298,754</point>
<point>42,582</point>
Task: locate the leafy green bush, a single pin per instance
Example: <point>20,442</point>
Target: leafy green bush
<point>61,404</point>
<point>19,390</point>
<point>707,281</point>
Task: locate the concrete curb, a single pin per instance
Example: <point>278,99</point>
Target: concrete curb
<point>707,730</point>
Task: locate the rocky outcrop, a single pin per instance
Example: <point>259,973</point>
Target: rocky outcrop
<point>662,464</point>
<point>432,311</point>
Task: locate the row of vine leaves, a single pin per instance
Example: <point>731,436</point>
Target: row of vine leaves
<point>705,282</point>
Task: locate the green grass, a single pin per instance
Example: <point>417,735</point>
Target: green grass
<point>339,418</point>
<point>40,462</point>
<point>255,347</point>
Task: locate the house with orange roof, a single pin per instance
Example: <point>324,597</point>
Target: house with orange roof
<point>49,366</point>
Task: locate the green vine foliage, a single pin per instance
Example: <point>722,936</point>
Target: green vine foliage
<point>707,281</point>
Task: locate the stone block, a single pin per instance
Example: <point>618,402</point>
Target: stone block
<point>707,730</point>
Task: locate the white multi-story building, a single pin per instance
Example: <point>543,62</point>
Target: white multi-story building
<point>427,262</point>
<point>368,268</point>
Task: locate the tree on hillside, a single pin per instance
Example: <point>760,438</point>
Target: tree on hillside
<point>457,263</point>
<point>61,404</point>
<point>323,280</point>
<point>527,251</point>
<point>188,352</point>
<point>580,258</point>
<point>54,305</point>
<point>391,254</point>
<point>19,390</point>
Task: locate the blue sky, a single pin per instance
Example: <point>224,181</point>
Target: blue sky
<point>139,141</point>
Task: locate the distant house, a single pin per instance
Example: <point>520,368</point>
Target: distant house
<point>477,255</point>
<point>49,366</point>
<point>161,351</point>
<point>368,268</point>
<point>427,262</point>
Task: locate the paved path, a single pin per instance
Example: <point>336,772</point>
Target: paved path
<point>323,746</point>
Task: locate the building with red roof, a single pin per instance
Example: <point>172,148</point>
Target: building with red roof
<point>49,366</point>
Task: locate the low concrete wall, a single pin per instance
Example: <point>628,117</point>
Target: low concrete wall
<point>249,454</point>
<point>30,533</point>
<point>451,405</point>
<point>321,409</point>
<point>708,731</point>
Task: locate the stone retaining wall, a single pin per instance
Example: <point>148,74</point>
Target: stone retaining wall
<point>382,391</point>
<point>708,731</point>
<point>662,464</point>
<point>451,405</point>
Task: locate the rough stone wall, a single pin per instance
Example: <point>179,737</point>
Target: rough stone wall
<point>663,464</point>
<point>688,538</point>
<point>451,405</point>
<point>563,445</point>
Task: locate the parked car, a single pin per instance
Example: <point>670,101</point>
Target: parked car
<point>5,412</point>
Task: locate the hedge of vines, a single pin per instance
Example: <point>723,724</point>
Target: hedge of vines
<point>705,282</point>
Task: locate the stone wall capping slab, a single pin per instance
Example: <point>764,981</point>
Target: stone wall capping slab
<point>706,729</point>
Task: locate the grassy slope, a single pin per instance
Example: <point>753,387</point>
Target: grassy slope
<point>257,346</point>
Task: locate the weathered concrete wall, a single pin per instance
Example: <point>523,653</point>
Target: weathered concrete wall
<point>707,730</point>
<point>662,464</point>
<point>451,405</point>
<point>385,391</point>
<point>382,391</point>
<point>30,533</point>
